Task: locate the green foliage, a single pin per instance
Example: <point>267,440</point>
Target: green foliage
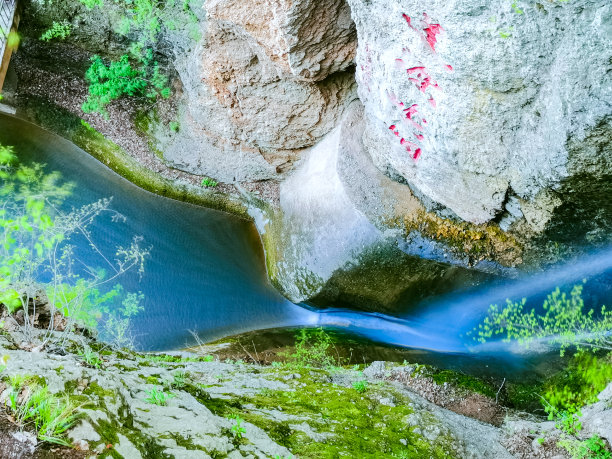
<point>179,380</point>
<point>360,386</point>
<point>36,234</point>
<point>90,4</point>
<point>120,78</point>
<point>237,428</point>
<point>595,448</point>
<point>137,73</point>
<point>207,182</point>
<point>586,376</point>
<point>564,321</point>
<point>312,349</point>
<point>91,357</point>
<point>591,448</point>
<point>59,30</point>
<point>159,397</point>
<point>565,395</point>
<point>33,406</point>
<point>174,126</point>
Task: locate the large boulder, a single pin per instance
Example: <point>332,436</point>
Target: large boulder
<point>267,81</point>
<point>478,104</point>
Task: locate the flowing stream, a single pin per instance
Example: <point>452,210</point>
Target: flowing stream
<point>206,271</point>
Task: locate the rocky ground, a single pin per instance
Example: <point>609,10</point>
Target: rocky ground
<point>236,409</point>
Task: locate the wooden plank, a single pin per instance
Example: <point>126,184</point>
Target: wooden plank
<point>9,21</point>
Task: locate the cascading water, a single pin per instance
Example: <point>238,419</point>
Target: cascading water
<point>442,324</point>
<point>206,271</point>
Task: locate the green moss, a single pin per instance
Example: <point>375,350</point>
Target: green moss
<point>94,389</point>
<point>479,242</point>
<point>152,380</point>
<point>218,406</point>
<point>186,443</point>
<point>464,381</point>
<point>66,124</point>
<point>122,422</point>
<point>351,422</point>
<point>142,123</point>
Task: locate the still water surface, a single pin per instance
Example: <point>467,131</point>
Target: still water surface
<point>206,270</point>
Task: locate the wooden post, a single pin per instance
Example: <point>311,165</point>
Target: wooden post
<point>9,21</point>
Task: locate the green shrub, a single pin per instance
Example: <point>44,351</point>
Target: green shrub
<point>207,182</point>
<point>564,321</point>
<point>125,77</point>
<point>360,386</point>
<point>312,348</point>
<point>59,30</point>
<point>585,377</point>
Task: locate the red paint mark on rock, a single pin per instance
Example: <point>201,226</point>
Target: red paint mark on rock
<point>422,79</point>
<point>428,30</point>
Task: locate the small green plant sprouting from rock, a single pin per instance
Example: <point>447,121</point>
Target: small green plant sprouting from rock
<point>506,33</point>
<point>32,405</point>
<point>3,361</point>
<point>208,182</point>
<point>516,8</point>
<point>312,350</point>
<point>237,428</point>
<point>159,397</point>
<point>58,30</point>
<point>360,386</point>
<point>174,126</point>
<point>179,379</point>
<point>91,357</point>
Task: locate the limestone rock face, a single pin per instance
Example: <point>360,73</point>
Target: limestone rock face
<point>309,39</point>
<point>268,80</point>
<point>474,102</point>
<point>329,243</point>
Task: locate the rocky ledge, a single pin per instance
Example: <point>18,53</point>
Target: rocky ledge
<point>183,405</point>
